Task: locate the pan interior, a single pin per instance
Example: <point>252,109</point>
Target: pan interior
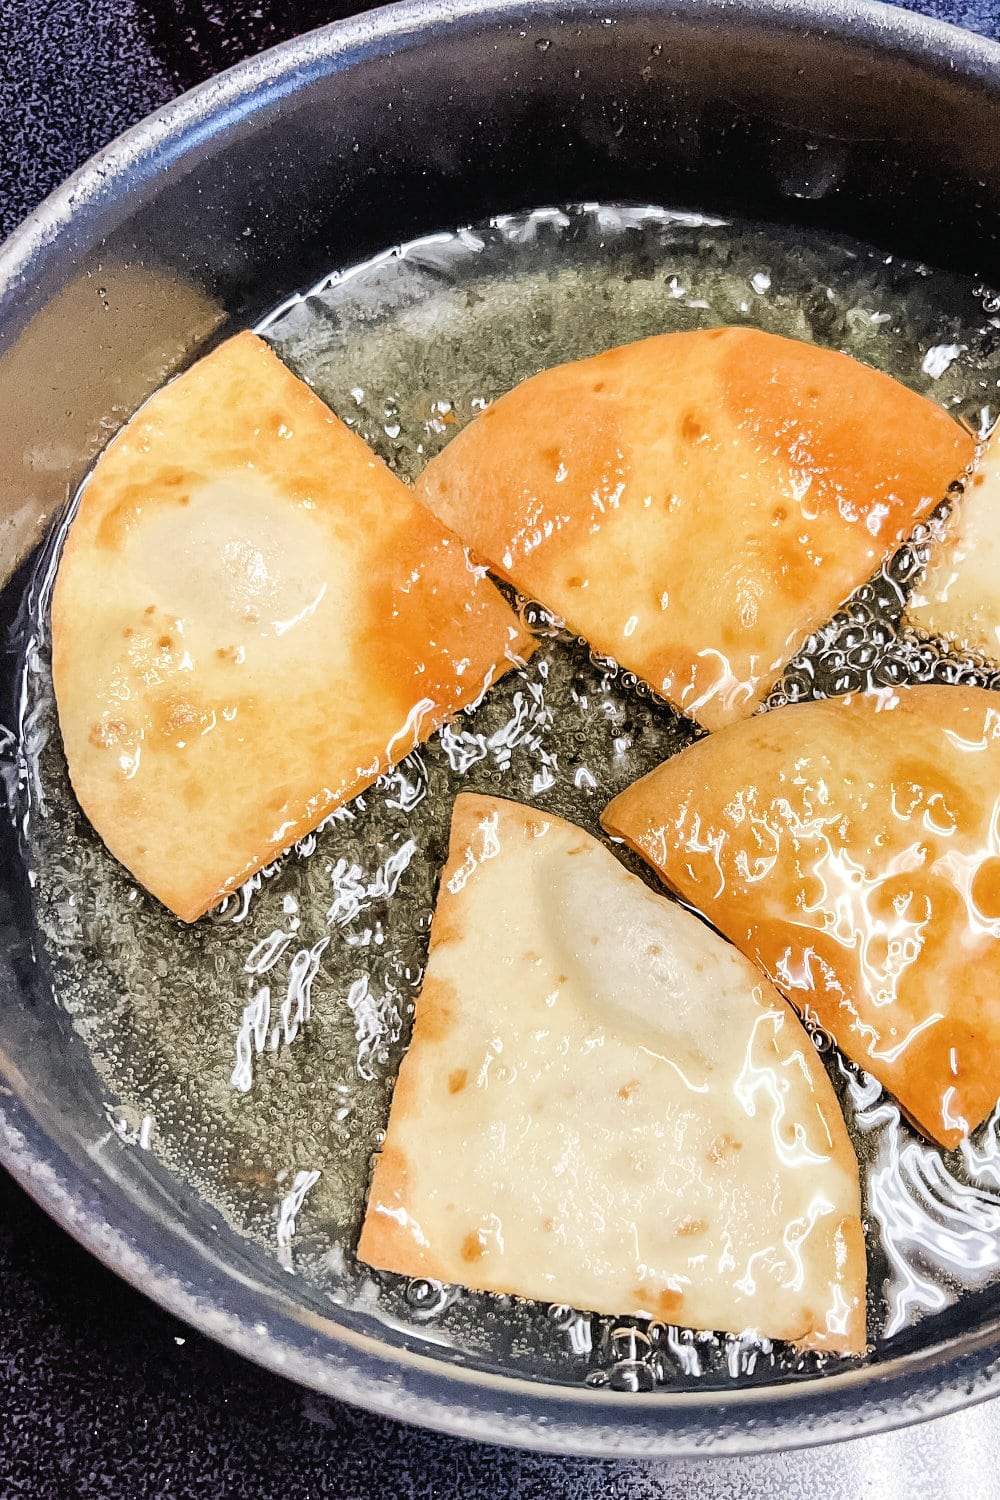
<point>254,1053</point>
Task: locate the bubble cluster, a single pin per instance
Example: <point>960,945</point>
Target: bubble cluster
<point>867,646</point>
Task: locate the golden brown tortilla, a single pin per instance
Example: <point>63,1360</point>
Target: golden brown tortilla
<point>852,849</point>
<point>695,504</point>
<point>252,619</point>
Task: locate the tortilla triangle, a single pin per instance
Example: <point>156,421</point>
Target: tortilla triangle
<point>606,1105</point>
<point>958,593</point>
<point>695,504</point>
<point>252,619</point>
<point>851,847</point>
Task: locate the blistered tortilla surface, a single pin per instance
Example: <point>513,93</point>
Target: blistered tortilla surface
<point>252,619</point>
<point>852,849</point>
<point>696,503</point>
<point>605,1105</point>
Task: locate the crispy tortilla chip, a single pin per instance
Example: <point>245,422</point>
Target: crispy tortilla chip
<point>852,849</point>
<point>696,504</point>
<point>605,1105</point>
<point>252,619</point>
<point>958,593</point>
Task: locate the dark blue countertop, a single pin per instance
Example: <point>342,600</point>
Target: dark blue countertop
<point>101,1393</point>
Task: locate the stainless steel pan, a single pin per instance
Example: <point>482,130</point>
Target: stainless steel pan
<point>429,114</point>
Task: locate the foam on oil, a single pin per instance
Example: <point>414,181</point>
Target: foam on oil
<point>255,1052</point>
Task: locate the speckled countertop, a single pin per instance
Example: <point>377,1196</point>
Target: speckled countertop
<point>101,1393</point>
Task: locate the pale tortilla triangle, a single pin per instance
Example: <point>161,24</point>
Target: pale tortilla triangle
<point>958,594</point>
<point>252,619</point>
<point>696,504</point>
<point>851,848</point>
<point>605,1105</point>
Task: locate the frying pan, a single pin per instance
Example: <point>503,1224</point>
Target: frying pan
<point>855,118</point>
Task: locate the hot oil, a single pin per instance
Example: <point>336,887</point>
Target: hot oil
<point>255,1052</point>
